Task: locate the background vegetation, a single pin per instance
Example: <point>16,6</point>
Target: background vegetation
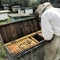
<point>2,52</point>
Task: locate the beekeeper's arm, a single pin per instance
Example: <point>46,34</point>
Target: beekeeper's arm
<point>46,26</point>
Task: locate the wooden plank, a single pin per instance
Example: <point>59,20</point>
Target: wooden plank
<point>31,26</point>
<point>26,27</point>
<point>13,32</point>
<point>4,38</point>
<point>7,32</point>
<point>36,24</point>
<point>18,30</point>
<point>6,35</point>
<point>22,28</point>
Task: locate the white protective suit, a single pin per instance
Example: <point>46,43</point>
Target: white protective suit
<point>50,24</point>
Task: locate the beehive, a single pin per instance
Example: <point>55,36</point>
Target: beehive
<point>19,46</point>
<point>21,37</point>
<point>24,43</point>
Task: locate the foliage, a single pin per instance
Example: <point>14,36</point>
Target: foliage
<point>2,52</point>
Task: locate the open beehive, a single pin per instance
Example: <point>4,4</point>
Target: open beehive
<point>21,37</point>
<point>17,46</point>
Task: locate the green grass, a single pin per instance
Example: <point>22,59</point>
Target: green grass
<point>2,52</point>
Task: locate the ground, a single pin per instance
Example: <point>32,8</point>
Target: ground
<point>2,52</point>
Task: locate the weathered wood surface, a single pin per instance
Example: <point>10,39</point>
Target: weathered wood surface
<point>16,30</point>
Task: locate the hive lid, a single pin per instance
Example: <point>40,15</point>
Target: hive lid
<point>4,11</point>
<point>13,31</point>
<point>19,15</point>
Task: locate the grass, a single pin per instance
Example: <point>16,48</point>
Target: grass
<point>2,52</point>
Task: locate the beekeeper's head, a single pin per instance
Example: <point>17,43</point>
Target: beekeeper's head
<point>41,8</point>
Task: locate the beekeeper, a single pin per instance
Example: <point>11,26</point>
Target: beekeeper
<point>50,25</point>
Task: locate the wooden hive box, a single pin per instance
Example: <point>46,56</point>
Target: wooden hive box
<point>15,31</point>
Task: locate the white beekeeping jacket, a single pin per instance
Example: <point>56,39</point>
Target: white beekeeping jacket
<point>50,23</point>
